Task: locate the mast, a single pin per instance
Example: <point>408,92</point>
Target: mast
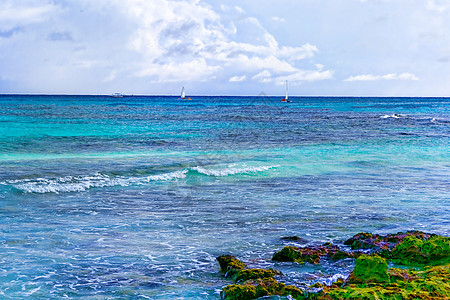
<point>286,98</point>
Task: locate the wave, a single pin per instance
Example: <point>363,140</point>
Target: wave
<point>83,183</point>
<point>434,120</point>
<point>231,170</point>
<point>329,281</point>
<point>99,180</point>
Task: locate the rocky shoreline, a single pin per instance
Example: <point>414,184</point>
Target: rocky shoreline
<point>422,272</point>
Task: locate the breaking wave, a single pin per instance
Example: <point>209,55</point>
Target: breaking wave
<point>99,180</point>
<point>231,170</point>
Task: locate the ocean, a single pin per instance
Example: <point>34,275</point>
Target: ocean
<point>135,197</point>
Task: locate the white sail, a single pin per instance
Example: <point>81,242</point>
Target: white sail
<point>286,97</point>
<point>183,94</point>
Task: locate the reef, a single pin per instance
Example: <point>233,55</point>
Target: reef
<point>430,282</point>
<point>383,243</point>
<point>425,273</point>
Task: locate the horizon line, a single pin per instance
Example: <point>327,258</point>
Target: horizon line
<point>256,96</point>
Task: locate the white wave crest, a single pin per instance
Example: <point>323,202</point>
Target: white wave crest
<point>83,183</point>
<point>330,280</point>
<point>231,171</point>
<point>98,180</point>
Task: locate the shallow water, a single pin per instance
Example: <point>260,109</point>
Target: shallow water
<point>107,198</point>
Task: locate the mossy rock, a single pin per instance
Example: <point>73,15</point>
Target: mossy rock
<point>288,253</point>
<point>239,292</point>
<point>255,288</point>
<point>247,274</point>
<point>363,240</point>
<point>430,283</point>
<point>310,254</point>
<point>294,238</point>
<point>413,250</point>
<point>370,268</point>
<point>382,244</point>
<point>230,265</point>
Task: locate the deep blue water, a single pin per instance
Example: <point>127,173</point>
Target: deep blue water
<point>134,197</point>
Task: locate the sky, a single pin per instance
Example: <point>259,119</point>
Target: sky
<point>233,47</point>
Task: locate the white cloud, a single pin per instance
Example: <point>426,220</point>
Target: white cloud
<point>390,76</point>
<point>21,13</point>
<point>263,76</point>
<point>196,70</point>
<point>238,78</point>
<point>171,34</point>
<point>239,9</point>
<point>278,19</point>
<point>436,5</point>
<point>295,76</point>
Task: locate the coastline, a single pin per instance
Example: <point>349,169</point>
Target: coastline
<point>419,268</point>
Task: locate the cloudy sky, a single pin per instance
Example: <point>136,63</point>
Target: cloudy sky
<point>233,47</point>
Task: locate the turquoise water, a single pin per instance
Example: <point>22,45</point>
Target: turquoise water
<point>134,197</point>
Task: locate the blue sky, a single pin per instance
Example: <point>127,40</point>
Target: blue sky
<point>322,47</point>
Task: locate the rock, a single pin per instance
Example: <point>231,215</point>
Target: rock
<point>255,282</point>
<point>230,265</point>
<point>382,243</point>
<point>413,250</point>
<point>369,268</point>
<point>310,254</point>
<point>295,239</point>
<point>430,283</point>
<point>256,288</point>
<point>247,274</point>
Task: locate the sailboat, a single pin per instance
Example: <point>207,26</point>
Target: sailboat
<point>183,95</point>
<point>286,98</point>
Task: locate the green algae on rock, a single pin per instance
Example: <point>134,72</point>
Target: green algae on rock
<point>230,265</point>
<point>428,254</point>
<point>412,250</point>
<point>310,254</point>
<point>255,283</point>
<point>260,287</point>
<point>247,274</point>
<point>430,283</point>
<point>369,268</point>
<point>378,243</point>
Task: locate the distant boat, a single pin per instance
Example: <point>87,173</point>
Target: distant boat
<point>286,98</point>
<point>117,95</point>
<point>183,95</point>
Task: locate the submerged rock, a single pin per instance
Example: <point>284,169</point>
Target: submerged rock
<point>294,238</point>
